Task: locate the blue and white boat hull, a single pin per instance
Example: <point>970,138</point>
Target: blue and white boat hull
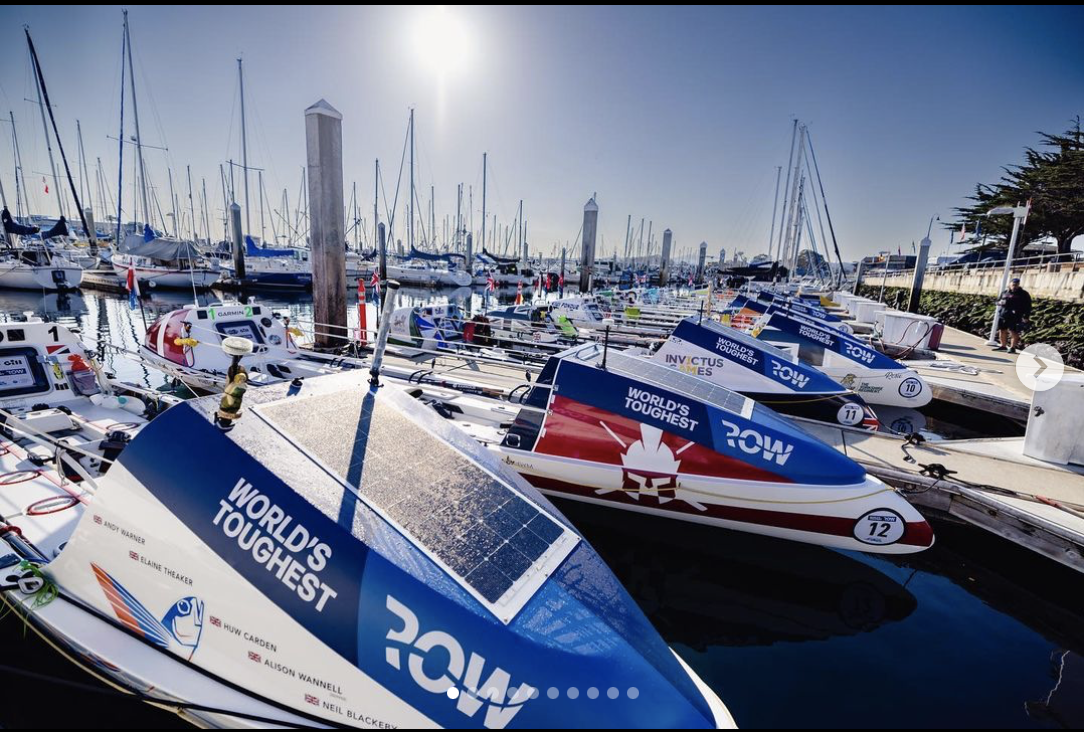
<point>307,567</point>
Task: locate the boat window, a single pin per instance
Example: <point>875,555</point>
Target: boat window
<point>240,329</point>
<point>21,372</point>
<point>497,544</point>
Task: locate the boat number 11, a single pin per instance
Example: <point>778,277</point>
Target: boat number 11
<point>880,527</point>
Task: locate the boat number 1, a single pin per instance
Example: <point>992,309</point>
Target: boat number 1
<point>54,333</point>
<point>882,526</point>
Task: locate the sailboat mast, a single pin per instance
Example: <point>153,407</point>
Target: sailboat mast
<point>788,239</point>
<point>778,256</point>
<point>259,192</point>
<point>84,174</point>
<point>48,142</point>
<point>824,202</point>
<point>20,173</point>
<point>244,145</point>
<point>354,213</point>
<point>410,228</point>
<point>56,132</point>
<point>120,137</point>
<point>484,166</point>
<point>135,115</point>
<point>173,205</point>
<point>775,206</point>
<point>203,206</point>
<point>191,204</point>
<point>376,203</point>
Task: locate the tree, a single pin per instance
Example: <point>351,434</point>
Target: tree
<point>1052,178</point>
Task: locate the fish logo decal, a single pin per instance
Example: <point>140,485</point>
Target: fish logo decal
<point>178,630</point>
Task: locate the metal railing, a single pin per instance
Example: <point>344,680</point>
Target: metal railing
<point>1037,262</point>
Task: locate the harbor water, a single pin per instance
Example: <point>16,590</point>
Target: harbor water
<point>974,632</point>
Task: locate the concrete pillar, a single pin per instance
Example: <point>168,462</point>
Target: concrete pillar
<point>590,229</point>
<point>238,242</point>
<point>700,263</point>
<point>561,279</point>
<point>920,272</point>
<point>324,147</point>
<point>859,271</point>
<point>664,262</point>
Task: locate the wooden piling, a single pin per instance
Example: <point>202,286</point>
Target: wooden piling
<point>324,146</point>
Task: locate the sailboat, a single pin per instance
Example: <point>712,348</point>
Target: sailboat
<point>155,260</point>
<point>32,265</point>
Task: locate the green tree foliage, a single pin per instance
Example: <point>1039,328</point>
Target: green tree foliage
<point>1052,178</point>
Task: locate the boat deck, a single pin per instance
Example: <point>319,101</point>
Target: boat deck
<point>994,485</point>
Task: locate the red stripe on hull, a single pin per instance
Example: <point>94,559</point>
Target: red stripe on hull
<point>916,533</point>
<point>577,430</point>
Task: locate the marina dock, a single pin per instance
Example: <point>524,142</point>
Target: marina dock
<point>970,374</point>
<point>992,483</point>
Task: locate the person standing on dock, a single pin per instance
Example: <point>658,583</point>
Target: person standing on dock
<point>1015,305</point>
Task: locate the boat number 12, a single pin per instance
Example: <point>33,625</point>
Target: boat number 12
<point>882,526</point>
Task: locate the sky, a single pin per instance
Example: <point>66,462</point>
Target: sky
<point>678,116</point>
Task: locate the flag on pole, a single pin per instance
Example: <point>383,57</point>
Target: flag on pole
<point>375,283</point>
<point>133,287</point>
<point>491,284</point>
<point>963,231</point>
<point>561,284</point>
<point>519,293</point>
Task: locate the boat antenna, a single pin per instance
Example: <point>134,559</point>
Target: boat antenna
<point>391,290</point>
<point>608,322</point>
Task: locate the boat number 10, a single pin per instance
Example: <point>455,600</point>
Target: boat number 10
<point>882,526</point>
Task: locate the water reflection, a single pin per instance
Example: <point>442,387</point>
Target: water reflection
<point>703,587</point>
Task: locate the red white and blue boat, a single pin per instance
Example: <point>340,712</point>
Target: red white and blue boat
<point>620,430</point>
<point>853,363</point>
<point>730,358</point>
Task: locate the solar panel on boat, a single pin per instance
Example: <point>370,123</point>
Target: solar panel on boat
<point>680,382</point>
<point>487,534</point>
<point>746,339</point>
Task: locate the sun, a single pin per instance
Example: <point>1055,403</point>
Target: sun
<point>441,41</point>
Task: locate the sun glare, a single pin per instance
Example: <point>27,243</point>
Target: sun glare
<point>441,41</point>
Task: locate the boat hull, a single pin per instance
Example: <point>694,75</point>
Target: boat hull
<point>833,516</point>
<point>30,277</point>
<point>165,277</point>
